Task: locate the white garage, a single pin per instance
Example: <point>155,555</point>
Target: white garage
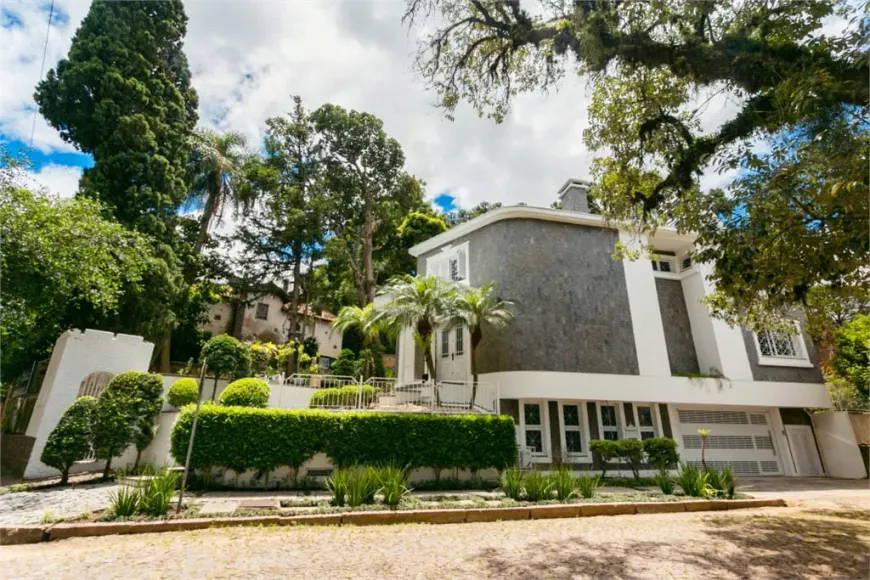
<point>741,438</point>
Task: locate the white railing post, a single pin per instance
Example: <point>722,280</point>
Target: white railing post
<point>359,393</point>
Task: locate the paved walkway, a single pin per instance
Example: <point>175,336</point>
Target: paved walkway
<point>758,544</point>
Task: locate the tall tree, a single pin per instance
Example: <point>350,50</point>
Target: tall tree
<point>216,162</point>
<point>796,83</point>
<point>123,95</point>
<point>285,231</point>
<point>366,188</point>
<point>476,309</point>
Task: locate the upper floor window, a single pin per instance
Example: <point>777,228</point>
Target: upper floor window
<point>778,348</point>
<point>460,341</point>
<point>262,311</point>
<point>451,264</point>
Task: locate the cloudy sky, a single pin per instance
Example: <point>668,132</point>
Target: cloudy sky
<point>249,56</point>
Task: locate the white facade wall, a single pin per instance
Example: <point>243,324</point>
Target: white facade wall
<point>76,355</point>
<point>328,338</point>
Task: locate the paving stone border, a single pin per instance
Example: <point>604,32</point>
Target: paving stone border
<point>31,534</point>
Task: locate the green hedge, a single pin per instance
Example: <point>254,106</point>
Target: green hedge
<point>183,392</point>
<point>241,438</point>
<point>342,397</point>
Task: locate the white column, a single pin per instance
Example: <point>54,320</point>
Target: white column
<point>729,340</point>
<point>646,317</point>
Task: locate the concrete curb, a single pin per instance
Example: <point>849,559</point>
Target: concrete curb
<point>32,534</point>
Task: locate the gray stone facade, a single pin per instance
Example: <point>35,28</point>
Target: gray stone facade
<point>678,330</point>
<point>572,312</point>
<point>783,374</point>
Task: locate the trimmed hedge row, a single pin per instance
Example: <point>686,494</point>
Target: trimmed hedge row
<point>343,396</point>
<point>240,438</point>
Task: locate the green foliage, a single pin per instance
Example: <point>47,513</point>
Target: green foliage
<point>345,364</point>
<point>587,484</point>
<point>460,215</point>
<point>240,438</point>
<point>366,321</point>
<point>129,405</point>
<point>183,392</point>
<point>665,481</point>
<point>606,450</point>
<point>393,484</point>
<point>722,482</point>
<point>360,484</point>
<point>63,266</point>
<point>123,95</point>
<point>630,451</point>
<point>246,393</point>
<point>512,481</point>
<point>694,482</point>
<point>125,502</point>
<point>852,356</point>
<point>226,357</point>
<point>348,396</point>
<point>71,439</point>
<point>337,486</point>
<point>661,452</point>
<point>563,483</point>
<point>157,491</point>
<point>537,486</point>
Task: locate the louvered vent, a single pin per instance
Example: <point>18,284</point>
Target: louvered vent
<point>719,442</point>
<point>739,467</point>
<point>758,418</point>
<point>769,467</point>
<point>318,473</point>
<point>717,417</point>
<point>763,442</point>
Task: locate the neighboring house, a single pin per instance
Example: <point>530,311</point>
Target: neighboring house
<point>265,319</point>
<point>603,348</point>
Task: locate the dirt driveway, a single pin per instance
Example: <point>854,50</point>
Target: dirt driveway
<point>803,542</point>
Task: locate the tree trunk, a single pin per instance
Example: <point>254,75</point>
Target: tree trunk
<point>165,359</point>
<point>64,476</point>
<point>138,457</point>
<point>107,469</point>
<point>433,373</point>
<point>476,336</point>
<point>368,261</point>
<point>207,215</point>
<point>214,389</point>
<point>293,316</point>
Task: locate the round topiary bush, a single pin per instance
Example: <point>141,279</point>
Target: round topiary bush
<point>183,392</point>
<point>70,441</point>
<point>248,392</point>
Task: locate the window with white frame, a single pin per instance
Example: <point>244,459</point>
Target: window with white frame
<point>533,428</point>
<point>572,429</point>
<point>445,343</point>
<point>776,347</point>
<point>609,422</point>
<point>645,421</point>
<point>450,264</point>
<point>460,341</point>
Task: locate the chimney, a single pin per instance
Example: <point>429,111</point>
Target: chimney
<point>574,195</point>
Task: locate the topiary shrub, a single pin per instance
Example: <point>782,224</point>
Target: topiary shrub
<point>661,452</point>
<point>183,392</point>
<point>226,357</point>
<point>246,393</point>
<point>345,364</point>
<point>605,449</point>
<point>71,439</point>
<point>631,452</point>
<point>125,414</point>
<point>347,396</point>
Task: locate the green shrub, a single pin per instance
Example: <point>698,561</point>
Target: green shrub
<point>183,392</point>
<point>721,481</point>
<point>246,393</point>
<point>563,483</point>
<point>392,483</point>
<point>512,483</point>
<point>226,358</point>
<point>347,396</point>
<point>125,414</point>
<point>337,486</point>
<point>125,502</point>
<point>630,451</point>
<point>240,438</point>
<point>361,485</point>
<point>157,491</point>
<point>345,364</point>
<point>661,452</point>
<point>587,484</point>
<point>606,451</point>
<point>694,482</point>
<point>665,482</point>
<point>71,439</point>
<point>539,487</point>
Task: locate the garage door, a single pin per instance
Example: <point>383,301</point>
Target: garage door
<point>742,439</point>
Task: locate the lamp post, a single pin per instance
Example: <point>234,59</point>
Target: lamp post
<point>192,435</point>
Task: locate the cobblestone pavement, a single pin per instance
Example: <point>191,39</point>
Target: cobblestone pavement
<point>803,542</point>
<point>29,507</point>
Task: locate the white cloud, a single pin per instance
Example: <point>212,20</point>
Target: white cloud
<point>62,180</point>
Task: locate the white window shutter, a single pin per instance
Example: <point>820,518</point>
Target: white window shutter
<point>460,255</point>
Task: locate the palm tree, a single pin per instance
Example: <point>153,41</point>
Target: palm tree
<point>475,308</point>
<point>420,303</point>
<point>366,320</point>
<point>217,159</point>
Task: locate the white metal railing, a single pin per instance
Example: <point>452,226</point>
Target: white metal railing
<point>384,394</point>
